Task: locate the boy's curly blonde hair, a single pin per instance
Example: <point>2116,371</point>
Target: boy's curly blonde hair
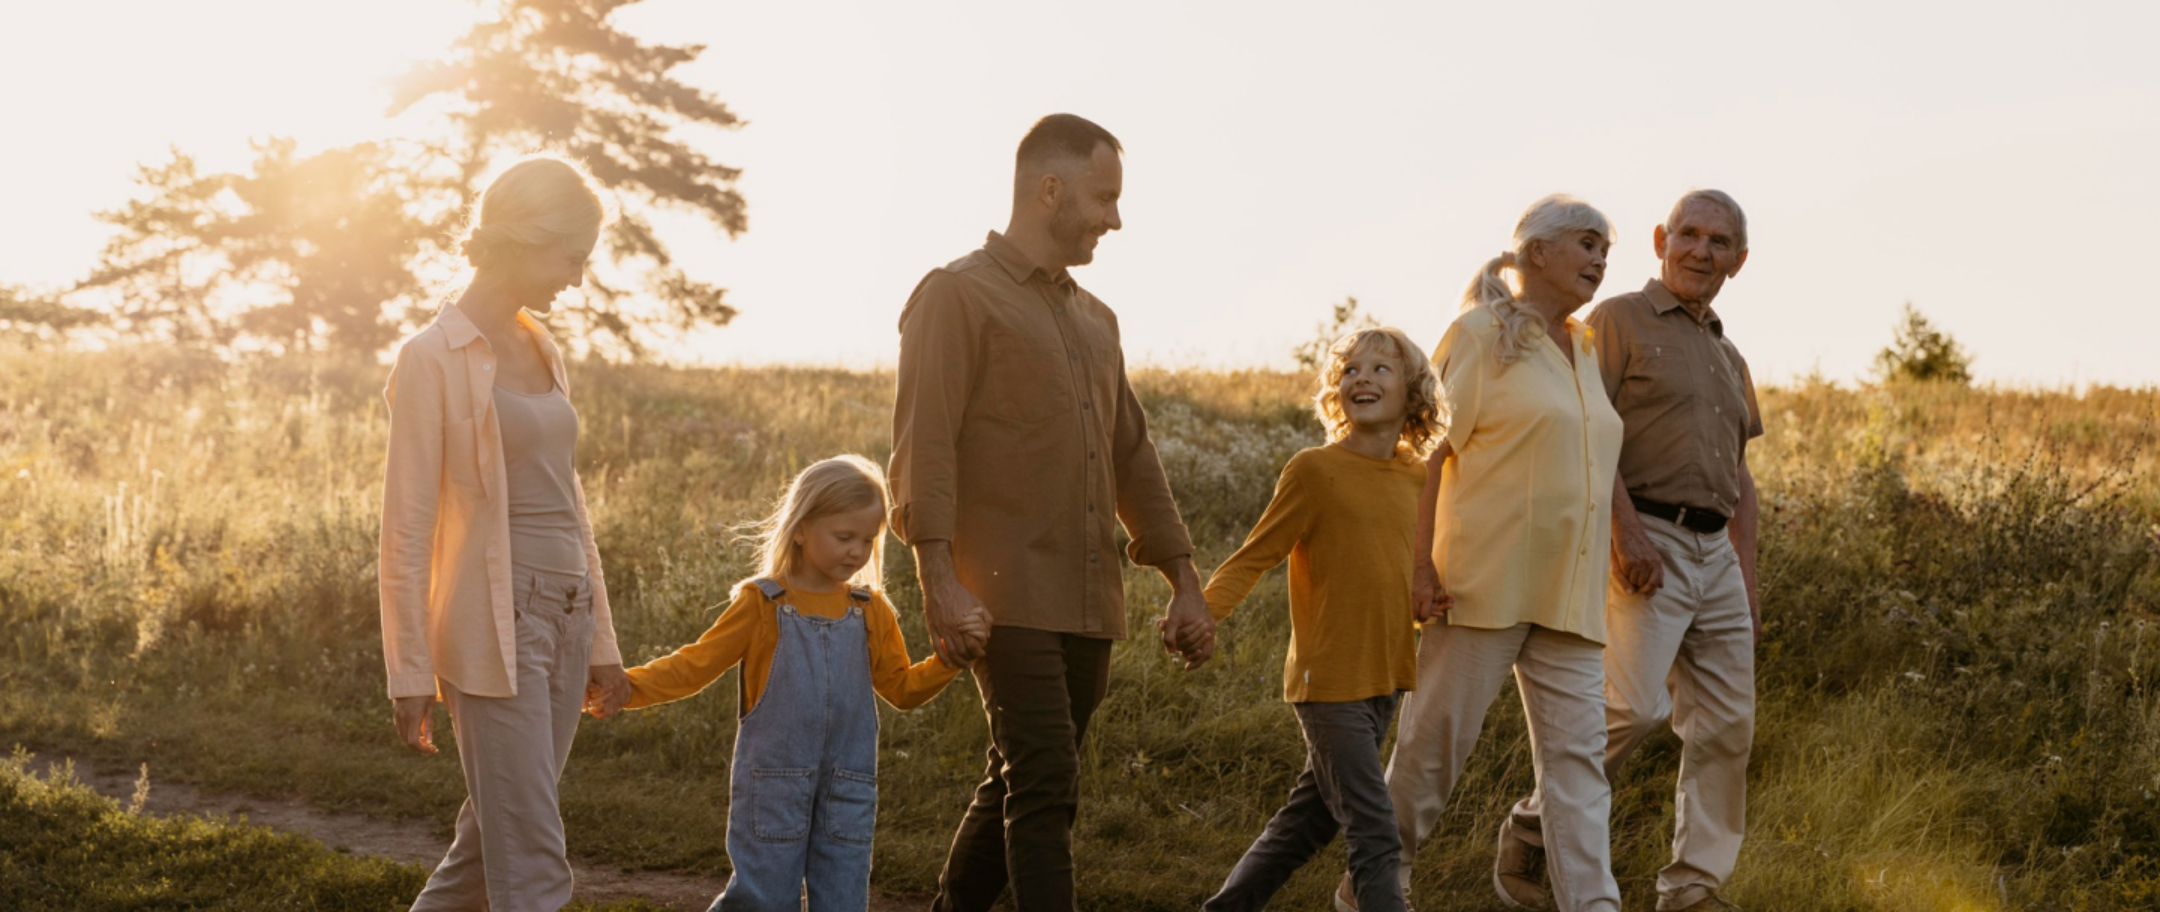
<point>1421,387</point>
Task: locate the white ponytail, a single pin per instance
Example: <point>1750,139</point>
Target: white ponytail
<point>1547,219</point>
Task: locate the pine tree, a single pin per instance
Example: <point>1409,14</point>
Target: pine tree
<point>1920,352</point>
<point>346,248</point>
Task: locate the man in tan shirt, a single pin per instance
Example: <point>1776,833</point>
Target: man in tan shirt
<point>1016,440</point>
<point>1681,614</point>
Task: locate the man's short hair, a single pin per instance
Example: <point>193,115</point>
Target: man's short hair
<point>1058,136</point>
<point>1722,199</point>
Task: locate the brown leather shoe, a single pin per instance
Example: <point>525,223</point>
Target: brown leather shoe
<point>1516,871</point>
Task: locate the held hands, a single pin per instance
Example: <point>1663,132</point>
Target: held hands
<point>1429,601</point>
<point>1188,629</point>
<point>415,718</point>
<point>607,688</point>
<point>959,623</point>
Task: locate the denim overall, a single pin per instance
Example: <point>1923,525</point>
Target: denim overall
<point>803,792</point>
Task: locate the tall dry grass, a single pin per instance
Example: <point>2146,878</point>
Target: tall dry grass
<point>1956,699</point>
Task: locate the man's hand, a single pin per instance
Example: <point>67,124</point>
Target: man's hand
<point>415,717</point>
<point>1428,599</point>
<point>607,688</point>
<point>959,622</point>
<point>1188,630</point>
<point>1636,564</point>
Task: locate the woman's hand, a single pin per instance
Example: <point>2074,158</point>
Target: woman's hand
<point>607,688</point>
<point>415,717</point>
<point>1428,599</point>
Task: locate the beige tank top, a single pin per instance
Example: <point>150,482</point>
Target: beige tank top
<point>539,436</point>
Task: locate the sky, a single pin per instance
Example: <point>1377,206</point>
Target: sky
<point>1992,163</point>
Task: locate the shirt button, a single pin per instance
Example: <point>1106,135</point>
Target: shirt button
<point>1091,557</point>
<point>1059,310</point>
<point>487,367</point>
<point>1086,404</point>
<point>1091,454</point>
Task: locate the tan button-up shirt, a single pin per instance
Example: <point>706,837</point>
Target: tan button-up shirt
<point>1017,438</point>
<point>1686,397</point>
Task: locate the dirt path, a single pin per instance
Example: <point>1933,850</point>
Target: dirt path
<point>406,841</point>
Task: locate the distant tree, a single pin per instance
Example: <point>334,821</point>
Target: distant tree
<point>25,312</point>
<point>342,248</point>
<point>1344,319</point>
<point>1920,352</point>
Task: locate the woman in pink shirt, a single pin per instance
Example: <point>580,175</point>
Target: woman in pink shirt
<point>492,596</point>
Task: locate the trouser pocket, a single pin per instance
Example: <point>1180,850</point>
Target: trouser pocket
<point>850,807</point>
<point>780,803</point>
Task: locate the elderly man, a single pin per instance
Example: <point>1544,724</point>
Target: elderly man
<point>1015,438</point>
<point>1681,613</point>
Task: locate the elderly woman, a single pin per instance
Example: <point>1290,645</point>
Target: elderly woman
<point>491,587</point>
<point>1515,516</point>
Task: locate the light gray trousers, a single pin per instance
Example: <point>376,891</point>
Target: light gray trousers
<point>1560,675</point>
<point>1685,654</point>
<point>508,855</point>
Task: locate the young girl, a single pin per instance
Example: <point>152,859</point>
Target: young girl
<point>815,639</point>
<point>1345,515</point>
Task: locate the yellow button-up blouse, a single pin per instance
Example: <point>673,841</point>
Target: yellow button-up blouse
<point>1523,531</point>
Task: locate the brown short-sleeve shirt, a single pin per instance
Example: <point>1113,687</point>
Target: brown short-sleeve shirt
<point>1685,395</point>
<point>1017,438</point>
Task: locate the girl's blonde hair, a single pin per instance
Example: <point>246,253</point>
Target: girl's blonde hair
<point>1421,387</point>
<point>1547,219</point>
<point>842,484</point>
<point>540,200</point>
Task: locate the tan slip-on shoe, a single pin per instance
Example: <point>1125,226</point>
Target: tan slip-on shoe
<point>1346,897</point>
<point>1711,903</point>
<point>1515,871</point>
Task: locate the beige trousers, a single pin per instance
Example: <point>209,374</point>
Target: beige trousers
<point>1561,677</point>
<point>1685,654</point>
<point>508,855</point>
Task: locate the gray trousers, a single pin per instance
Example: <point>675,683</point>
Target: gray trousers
<point>1342,788</point>
<point>508,855</point>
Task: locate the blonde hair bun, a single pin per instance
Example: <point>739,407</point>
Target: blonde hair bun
<point>539,200</point>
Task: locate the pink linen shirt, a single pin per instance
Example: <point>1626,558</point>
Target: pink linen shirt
<point>446,593</point>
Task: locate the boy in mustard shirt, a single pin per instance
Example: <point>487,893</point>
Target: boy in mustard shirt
<point>1345,515</point>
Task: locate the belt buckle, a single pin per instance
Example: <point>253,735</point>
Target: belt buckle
<point>1680,519</point>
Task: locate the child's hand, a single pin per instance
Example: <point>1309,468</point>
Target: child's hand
<point>606,690</point>
<point>1428,599</point>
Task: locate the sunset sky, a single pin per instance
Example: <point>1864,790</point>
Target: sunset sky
<point>1993,163</point>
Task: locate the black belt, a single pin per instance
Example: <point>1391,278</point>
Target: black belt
<point>1693,519</point>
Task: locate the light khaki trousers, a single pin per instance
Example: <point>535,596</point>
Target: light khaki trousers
<point>1685,654</point>
<point>1561,677</point>
<point>508,855</point>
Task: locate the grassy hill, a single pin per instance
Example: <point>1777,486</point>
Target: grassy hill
<point>1957,707</point>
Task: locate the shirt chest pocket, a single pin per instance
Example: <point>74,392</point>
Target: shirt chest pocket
<point>1658,373</point>
<point>1025,380</point>
<point>461,454</point>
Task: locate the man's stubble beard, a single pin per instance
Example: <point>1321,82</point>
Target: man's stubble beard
<point>1071,236</point>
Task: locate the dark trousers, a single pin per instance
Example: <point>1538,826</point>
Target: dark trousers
<point>1342,788</point>
<point>1038,688</point>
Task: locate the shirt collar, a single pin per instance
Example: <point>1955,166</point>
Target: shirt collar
<point>458,329</point>
<point>1016,263</point>
<point>1664,301</point>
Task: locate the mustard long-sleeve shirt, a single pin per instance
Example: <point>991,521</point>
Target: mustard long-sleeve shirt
<point>747,633</point>
<point>1348,525</point>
